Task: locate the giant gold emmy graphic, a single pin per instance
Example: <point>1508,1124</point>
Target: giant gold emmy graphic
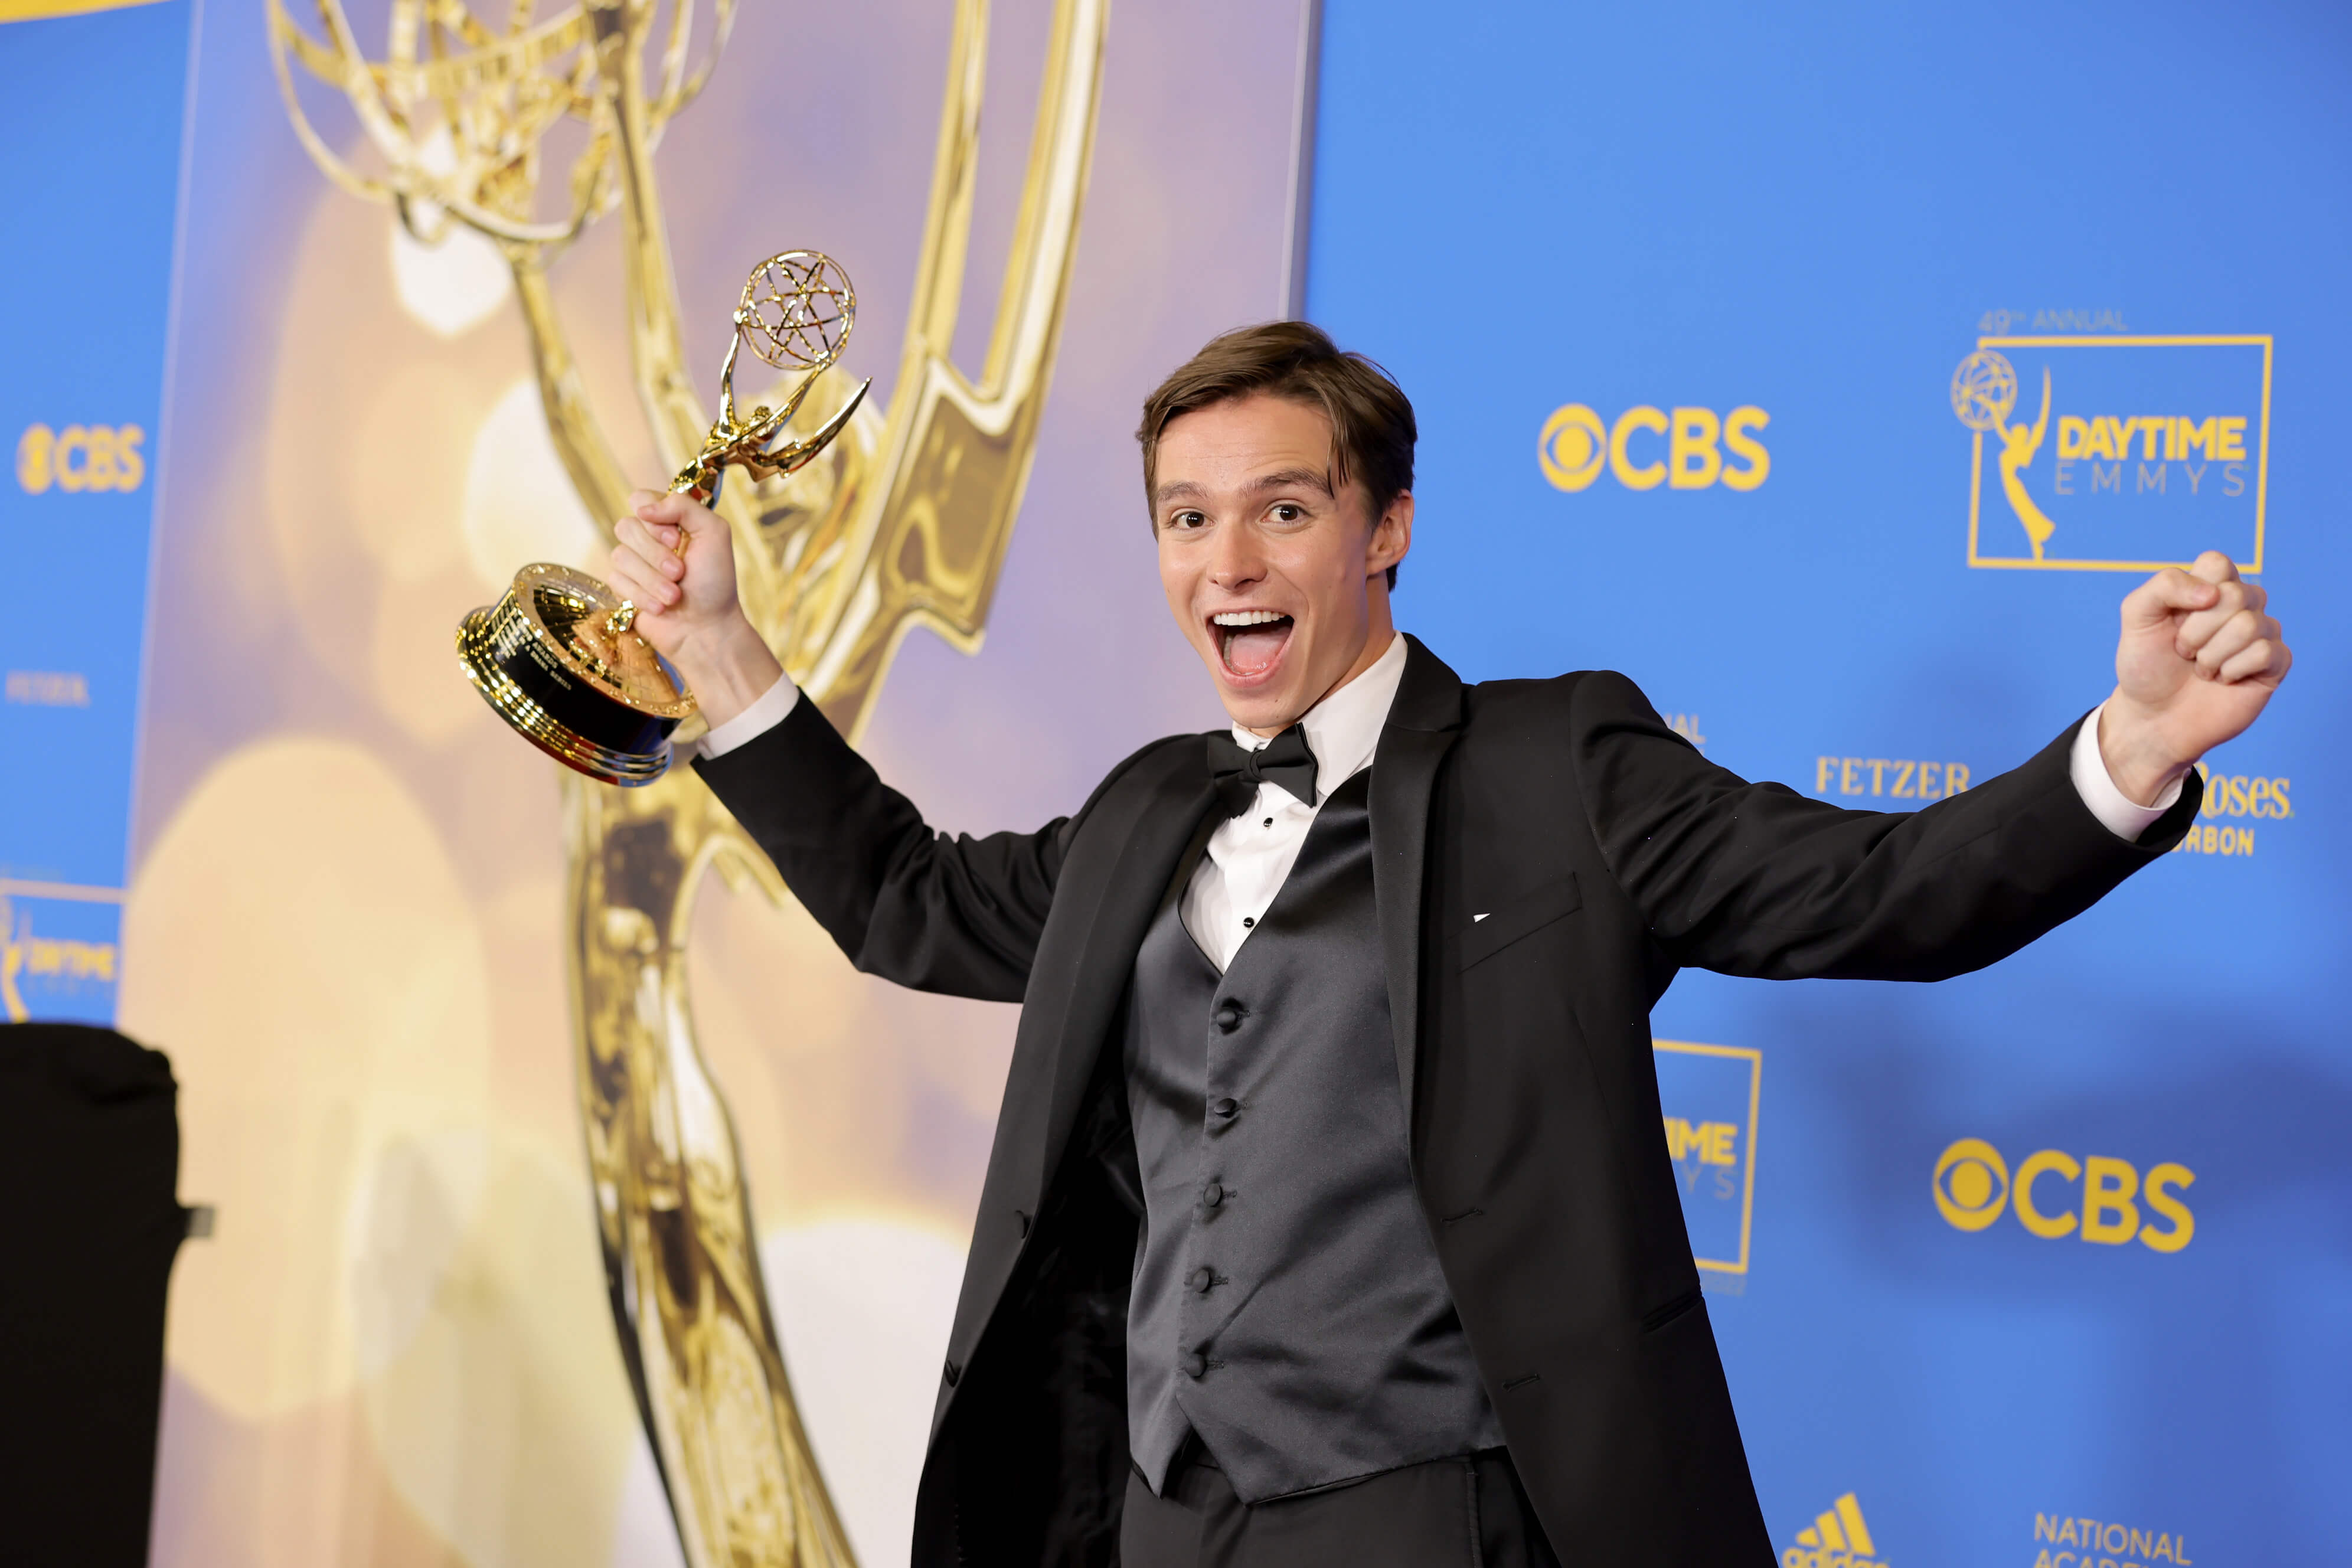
<point>895,519</point>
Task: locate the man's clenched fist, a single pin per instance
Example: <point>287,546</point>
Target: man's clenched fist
<point>2198,659</point>
<point>674,558</point>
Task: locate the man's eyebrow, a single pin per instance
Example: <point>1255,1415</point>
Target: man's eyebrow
<point>1294,478</point>
<point>1282,479</point>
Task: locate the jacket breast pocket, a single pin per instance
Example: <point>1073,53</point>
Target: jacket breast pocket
<point>1522,915</point>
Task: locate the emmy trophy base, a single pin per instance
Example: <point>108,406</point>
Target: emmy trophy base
<point>546,659</point>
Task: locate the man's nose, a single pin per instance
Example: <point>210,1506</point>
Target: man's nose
<point>1235,561</point>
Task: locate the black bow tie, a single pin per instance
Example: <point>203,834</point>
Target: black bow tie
<point>1283,761</point>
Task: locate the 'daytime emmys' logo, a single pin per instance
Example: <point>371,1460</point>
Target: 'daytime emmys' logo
<point>1710,1095</point>
<point>1691,448</point>
<point>1974,1184</point>
<point>2115,453</point>
<point>44,964</point>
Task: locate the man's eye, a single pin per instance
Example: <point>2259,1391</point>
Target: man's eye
<point>1186,519</point>
<point>1285,511</point>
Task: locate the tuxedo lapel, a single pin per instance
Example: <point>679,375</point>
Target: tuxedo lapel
<point>1119,865</point>
<point>1167,813</point>
<point>1422,725</point>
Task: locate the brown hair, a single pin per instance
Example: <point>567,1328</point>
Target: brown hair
<point>1372,429</point>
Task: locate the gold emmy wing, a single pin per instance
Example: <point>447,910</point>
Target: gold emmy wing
<point>903,521</point>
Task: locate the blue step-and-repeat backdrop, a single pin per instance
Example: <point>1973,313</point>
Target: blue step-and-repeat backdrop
<point>1835,375</point>
<point>90,180</point>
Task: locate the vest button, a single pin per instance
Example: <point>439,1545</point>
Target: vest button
<point>1195,1365</point>
<point>1200,1279</point>
<point>1224,1109</point>
<point>1229,1016</point>
<point>953,1373</point>
<point>1214,1196</point>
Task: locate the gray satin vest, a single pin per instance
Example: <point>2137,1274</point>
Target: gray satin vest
<point>1287,1303</point>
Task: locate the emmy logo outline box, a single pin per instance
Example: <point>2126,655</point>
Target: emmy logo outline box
<point>1710,1096</point>
<point>2116,454</point>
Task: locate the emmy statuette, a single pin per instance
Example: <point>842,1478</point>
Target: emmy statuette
<point>558,656</point>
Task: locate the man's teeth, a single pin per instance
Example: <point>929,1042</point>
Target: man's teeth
<point>1248,617</point>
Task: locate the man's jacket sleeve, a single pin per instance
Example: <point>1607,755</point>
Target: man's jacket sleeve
<point>1756,879</point>
<point>953,914</point>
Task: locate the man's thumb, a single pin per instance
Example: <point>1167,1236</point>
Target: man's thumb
<point>2169,592</point>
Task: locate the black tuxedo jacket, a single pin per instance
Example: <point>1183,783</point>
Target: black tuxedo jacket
<point>1604,854</point>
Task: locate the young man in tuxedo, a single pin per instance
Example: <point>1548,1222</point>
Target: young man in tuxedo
<point>1328,1220</point>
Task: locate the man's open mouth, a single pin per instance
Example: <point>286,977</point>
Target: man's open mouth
<point>1250,641</point>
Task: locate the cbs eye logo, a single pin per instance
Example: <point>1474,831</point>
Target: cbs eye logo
<point>1973,1186</point>
<point>1576,445</point>
<point>80,458</point>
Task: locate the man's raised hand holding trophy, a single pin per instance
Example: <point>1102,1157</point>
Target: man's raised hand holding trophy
<point>559,656</point>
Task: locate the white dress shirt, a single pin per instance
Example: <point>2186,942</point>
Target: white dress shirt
<point>1250,855</point>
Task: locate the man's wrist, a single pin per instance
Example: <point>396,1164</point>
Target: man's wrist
<point>727,669</point>
<point>2136,758</point>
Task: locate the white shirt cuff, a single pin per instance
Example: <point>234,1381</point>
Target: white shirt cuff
<point>2117,811</point>
<point>773,706</point>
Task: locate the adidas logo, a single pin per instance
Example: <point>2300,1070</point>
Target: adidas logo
<point>1838,1538</point>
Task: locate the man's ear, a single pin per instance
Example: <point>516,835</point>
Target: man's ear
<point>1391,536</point>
